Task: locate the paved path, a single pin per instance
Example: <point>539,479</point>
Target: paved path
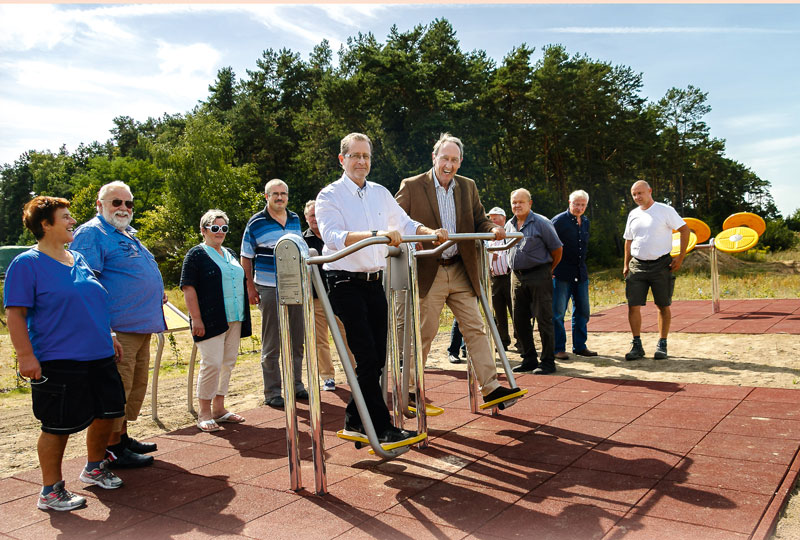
<point>575,459</point>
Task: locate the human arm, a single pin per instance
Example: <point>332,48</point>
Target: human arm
<point>252,293</point>
<point>678,261</point>
<point>556,254</point>
<point>193,306</point>
<point>118,352</point>
<point>18,330</point>
<point>626,264</point>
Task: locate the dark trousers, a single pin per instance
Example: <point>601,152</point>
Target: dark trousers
<point>457,345</point>
<point>501,305</point>
<point>533,298</point>
<point>361,306</point>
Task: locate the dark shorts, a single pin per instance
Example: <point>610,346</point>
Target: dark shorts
<point>74,393</point>
<point>654,275</point>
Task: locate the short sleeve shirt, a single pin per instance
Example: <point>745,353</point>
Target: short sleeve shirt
<point>539,239</point>
<point>233,292</point>
<point>260,237</point>
<point>128,271</point>
<point>67,307</point>
<point>650,231</point>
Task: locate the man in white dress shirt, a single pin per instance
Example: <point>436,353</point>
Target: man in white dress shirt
<point>348,211</point>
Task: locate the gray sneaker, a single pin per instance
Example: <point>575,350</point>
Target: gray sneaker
<point>329,385</point>
<point>101,477</point>
<point>60,499</point>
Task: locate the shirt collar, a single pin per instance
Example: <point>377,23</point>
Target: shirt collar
<point>352,187</point>
<point>438,185</point>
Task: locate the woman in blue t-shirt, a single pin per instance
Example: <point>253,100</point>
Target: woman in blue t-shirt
<point>214,288</point>
<point>59,324</point>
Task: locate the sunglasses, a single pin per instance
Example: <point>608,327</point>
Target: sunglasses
<point>218,228</point>
<point>116,203</point>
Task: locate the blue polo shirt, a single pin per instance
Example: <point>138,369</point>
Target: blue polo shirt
<point>576,241</point>
<point>67,308</point>
<point>129,273</point>
<point>539,240</point>
<point>260,236</point>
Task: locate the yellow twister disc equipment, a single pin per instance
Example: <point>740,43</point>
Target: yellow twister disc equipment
<point>699,228</point>
<point>676,243</point>
<point>745,219</point>
<point>736,239</point>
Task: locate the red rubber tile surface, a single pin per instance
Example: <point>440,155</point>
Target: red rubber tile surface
<point>568,461</point>
<point>766,316</point>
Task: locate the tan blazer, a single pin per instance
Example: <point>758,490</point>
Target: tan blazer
<point>417,196</point>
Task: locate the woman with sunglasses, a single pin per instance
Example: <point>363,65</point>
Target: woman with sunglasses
<point>214,288</point>
<point>59,322</point>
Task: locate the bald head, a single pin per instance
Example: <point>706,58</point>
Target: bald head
<point>642,194</point>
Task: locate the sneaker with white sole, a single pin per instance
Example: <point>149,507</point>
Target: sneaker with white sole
<point>60,499</point>
<point>329,385</point>
<point>102,477</point>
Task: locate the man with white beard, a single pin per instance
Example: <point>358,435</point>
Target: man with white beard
<point>130,274</point>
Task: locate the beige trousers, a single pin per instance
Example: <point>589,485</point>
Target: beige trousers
<point>134,371</point>
<point>218,356</point>
<point>452,287</point>
<point>324,360</point>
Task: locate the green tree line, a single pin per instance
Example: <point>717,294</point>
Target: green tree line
<point>552,125</point>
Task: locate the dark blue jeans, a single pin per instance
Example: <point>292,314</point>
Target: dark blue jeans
<point>578,291</point>
<point>456,341</point>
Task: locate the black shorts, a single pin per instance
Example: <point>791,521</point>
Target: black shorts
<point>654,275</point>
<point>74,393</point>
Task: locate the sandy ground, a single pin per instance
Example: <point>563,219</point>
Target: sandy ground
<point>745,360</point>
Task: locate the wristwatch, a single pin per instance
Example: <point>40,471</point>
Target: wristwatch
<point>374,233</point>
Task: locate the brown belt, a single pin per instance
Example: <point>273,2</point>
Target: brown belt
<point>448,262</point>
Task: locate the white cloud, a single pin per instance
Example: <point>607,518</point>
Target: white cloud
<point>197,58</point>
<point>24,27</point>
<point>666,30</point>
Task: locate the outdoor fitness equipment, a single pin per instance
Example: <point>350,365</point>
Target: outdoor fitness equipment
<point>741,232</point>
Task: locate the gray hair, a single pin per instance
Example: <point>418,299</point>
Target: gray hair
<point>211,216</point>
<point>308,205</point>
<point>274,182</point>
<point>579,194</point>
<point>113,185</point>
<point>445,138</point>
<point>344,145</point>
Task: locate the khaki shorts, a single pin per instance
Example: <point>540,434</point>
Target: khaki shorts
<point>650,275</point>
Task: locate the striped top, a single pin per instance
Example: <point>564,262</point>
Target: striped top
<point>498,260</point>
<point>260,236</point>
<point>447,212</point>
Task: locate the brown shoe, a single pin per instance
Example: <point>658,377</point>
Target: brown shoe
<point>562,355</point>
<point>586,352</point>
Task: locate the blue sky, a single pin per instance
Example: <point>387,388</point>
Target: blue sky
<point>67,70</point>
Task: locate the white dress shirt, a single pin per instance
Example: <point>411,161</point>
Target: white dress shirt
<point>342,207</point>
<point>498,260</point>
<point>447,211</point>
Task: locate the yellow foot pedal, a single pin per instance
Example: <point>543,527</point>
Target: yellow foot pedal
<point>351,436</point>
<point>406,442</point>
<point>506,401</point>
<point>430,410</point>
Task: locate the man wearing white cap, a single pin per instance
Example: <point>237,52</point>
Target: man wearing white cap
<point>501,280</point>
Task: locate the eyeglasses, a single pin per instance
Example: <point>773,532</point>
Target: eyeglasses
<point>279,194</point>
<point>217,228</point>
<point>116,203</point>
<point>359,157</point>
<point>32,382</point>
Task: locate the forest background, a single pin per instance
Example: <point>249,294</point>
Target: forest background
<point>563,122</point>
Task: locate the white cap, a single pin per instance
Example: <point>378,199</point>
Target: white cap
<point>497,210</point>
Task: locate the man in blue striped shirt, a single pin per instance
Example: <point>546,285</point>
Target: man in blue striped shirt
<point>258,260</point>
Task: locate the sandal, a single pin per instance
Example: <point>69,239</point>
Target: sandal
<point>207,426</point>
<point>231,417</point>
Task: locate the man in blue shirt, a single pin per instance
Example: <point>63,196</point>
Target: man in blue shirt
<point>532,261</point>
<point>571,278</point>
<point>130,274</point>
<point>258,260</point>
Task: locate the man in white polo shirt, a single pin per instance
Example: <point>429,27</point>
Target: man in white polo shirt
<point>648,265</point>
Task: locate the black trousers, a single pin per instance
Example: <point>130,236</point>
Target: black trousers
<point>501,305</point>
<point>361,306</point>
<point>533,298</point>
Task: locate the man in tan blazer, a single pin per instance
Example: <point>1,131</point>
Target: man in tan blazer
<point>441,199</point>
